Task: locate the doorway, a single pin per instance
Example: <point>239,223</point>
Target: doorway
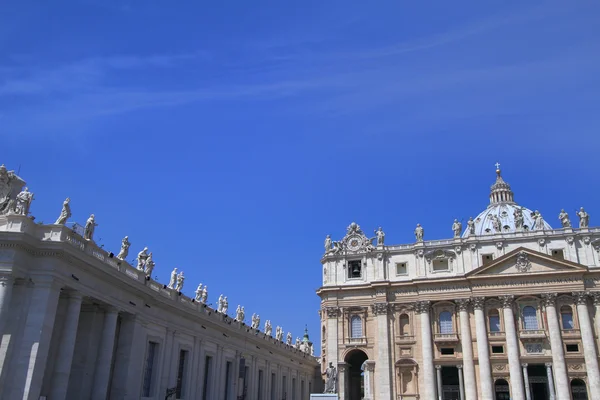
<point>538,381</point>
<point>501,390</point>
<point>578,390</point>
<point>450,384</point>
<point>355,385</point>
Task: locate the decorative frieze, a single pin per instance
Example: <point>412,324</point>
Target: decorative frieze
<point>380,308</point>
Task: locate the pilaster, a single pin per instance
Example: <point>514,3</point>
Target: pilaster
<point>105,354</point>
<point>429,386</point>
<point>383,378</point>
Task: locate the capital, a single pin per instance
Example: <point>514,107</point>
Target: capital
<point>548,365</point>
<point>459,366</point>
<point>438,367</point>
<point>596,297</point>
<point>332,312</point>
<point>422,307</point>
<point>549,299</point>
<point>380,308</point>
<point>580,298</point>
<point>463,304</point>
<point>524,365</point>
<point>478,302</point>
<point>507,300</point>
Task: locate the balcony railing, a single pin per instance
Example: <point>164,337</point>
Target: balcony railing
<point>571,332</point>
<point>532,333</point>
<point>405,338</point>
<point>356,341</point>
<point>445,338</point>
<point>497,334</point>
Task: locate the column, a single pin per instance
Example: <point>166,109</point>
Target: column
<point>251,380</point>
<point>589,348</point>
<point>129,359</point>
<point>512,348</point>
<point>526,379</point>
<point>483,350</point>
<point>343,381</point>
<point>6,286</point>
<point>105,354</point>
<point>333,314</point>
<point>438,370</point>
<point>596,298</point>
<point>64,356</point>
<point>168,362</point>
<point>461,383</point>
<point>422,308</point>
<point>556,346</point>
<point>30,359</point>
<point>382,373</point>
<point>467,350</point>
<point>550,381</point>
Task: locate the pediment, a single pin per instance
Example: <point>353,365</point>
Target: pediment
<point>525,261</point>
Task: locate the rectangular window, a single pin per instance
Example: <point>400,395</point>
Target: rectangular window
<point>447,351</point>
<point>148,369</point>
<point>572,348</point>
<point>260,384</point>
<point>227,380</point>
<point>498,349</point>
<point>486,259</point>
<point>440,265</point>
<point>354,269</point>
<point>206,392</point>
<point>494,322</point>
<point>559,254</point>
<point>181,373</point>
<point>355,327</point>
<point>401,268</point>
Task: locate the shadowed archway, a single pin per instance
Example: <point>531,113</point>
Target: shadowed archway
<point>355,360</point>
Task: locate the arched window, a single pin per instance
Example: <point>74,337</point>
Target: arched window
<point>356,327</point>
<point>566,317</point>
<point>446,322</point>
<point>501,389</point>
<point>494,318</point>
<point>404,328</point>
<point>530,318</point>
<point>578,390</point>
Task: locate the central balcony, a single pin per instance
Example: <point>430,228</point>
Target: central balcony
<point>356,341</point>
<point>445,338</point>
<point>527,334</point>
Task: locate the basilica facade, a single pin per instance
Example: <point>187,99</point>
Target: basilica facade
<point>507,308</point>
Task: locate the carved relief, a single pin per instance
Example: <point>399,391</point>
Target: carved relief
<point>499,245</point>
<point>570,240</point>
<point>458,249</point>
<point>523,264</point>
<point>473,247</point>
<point>586,240</point>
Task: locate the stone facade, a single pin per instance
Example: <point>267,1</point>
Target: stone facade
<point>505,310</point>
<point>76,322</point>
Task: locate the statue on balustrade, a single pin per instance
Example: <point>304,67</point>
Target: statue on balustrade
<point>456,228</point>
<point>539,221</point>
<point>142,257</point>
<point>471,226</point>
<point>173,280</point>
<point>198,292</point>
<point>419,233</point>
<point>279,334</point>
<point>519,220</point>
<point>328,244</point>
<point>7,204</point>
<point>225,305</point>
<point>124,252</point>
<point>90,227</point>
<point>220,304</point>
<point>255,321</point>
<point>180,279</point>
<point>288,339</point>
<point>65,213</point>
<point>380,236</point>
<point>268,328</point>
<point>240,314</point>
<point>149,267</point>
<point>330,379</point>
<point>297,345</point>
<point>24,200</point>
<point>584,218</point>
<point>204,295</point>
<point>564,219</point>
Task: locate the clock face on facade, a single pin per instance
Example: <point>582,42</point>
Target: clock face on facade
<point>354,243</point>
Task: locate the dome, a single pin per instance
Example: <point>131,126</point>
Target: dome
<point>503,215</point>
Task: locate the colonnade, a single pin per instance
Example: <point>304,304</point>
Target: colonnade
<point>558,379</point>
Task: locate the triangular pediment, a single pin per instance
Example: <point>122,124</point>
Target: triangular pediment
<point>526,261</point>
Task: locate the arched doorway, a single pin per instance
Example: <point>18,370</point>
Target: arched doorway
<point>578,390</point>
<point>355,385</point>
<point>501,389</point>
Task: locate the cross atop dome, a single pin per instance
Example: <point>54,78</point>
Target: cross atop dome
<point>497,168</point>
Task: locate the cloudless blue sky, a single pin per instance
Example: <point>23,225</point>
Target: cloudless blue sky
<point>231,137</point>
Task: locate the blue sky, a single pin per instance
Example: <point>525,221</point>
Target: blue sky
<point>230,138</point>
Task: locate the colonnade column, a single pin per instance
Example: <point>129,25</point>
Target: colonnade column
<point>526,379</point>
<point>6,286</point>
<point>66,347</point>
<point>512,348</point>
<point>550,381</point>
<point>589,348</point>
<point>105,354</point>
<point>423,308</point>
<point>438,373</point>
<point>461,382</point>
<point>383,370</point>
<point>470,389</point>
<point>483,350</point>
<point>556,346</point>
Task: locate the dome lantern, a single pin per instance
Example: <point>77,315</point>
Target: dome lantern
<point>500,191</point>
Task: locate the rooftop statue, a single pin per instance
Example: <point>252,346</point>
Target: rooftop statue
<point>584,218</point>
<point>255,321</point>
<point>380,236</point>
<point>419,232</point>
<point>564,219</point>
<point>141,259</point>
<point>24,200</point>
<point>328,244</point>
<point>519,220</point>
<point>180,279</point>
<point>173,280</point>
<point>268,327</point>
<point>198,292</point>
<point>90,227</point>
<point>456,228</point>
<point>225,306</point>
<point>288,338</point>
<point>471,226</point>
<point>65,213</point>
<point>220,304</point>
<point>7,178</point>
<point>204,295</point>
<point>149,267</point>
<point>124,252</point>
<point>279,333</point>
<point>539,221</point>
<point>239,314</point>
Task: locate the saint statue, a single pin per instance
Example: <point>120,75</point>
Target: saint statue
<point>518,214</point>
<point>268,327</point>
<point>564,219</point>
<point>496,224</point>
<point>180,279</point>
<point>225,306</point>
<point>419,232</point>
<point>279,334</point>
<point>380,236</point>
<point>204,295</point>
<point>255,321</point>
<point>328,244</point>
<point>471,226</point>
<point>149,265</point>
<point>330,379</point>
<point>142,257</point>
<point>90,227</point>
<point>539,221</point>
<point>173,280</point>
<point>198,292</point>
<point>6,181</point>
<point>456,228</point>
<point>288,338</point>
<point>584,218</point>
<point>65,213</point>
<point>24,200</point>
<point>124,248</point>
<point>220,304</point>
<point>297,345</point>
<point>239,314</point>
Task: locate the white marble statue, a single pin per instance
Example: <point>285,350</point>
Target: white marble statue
<point>6,181</point>
<point>220,304</point>
<point>288,339</point>
<point>198,293</point>
<point>24,200</point>
<point>456,228</point>
<point>471,226</point>
<point>240,314</point>
<point>312,350</point>
<point>180,279</point>
<point>539,221</point>
<point>173,280</point>
<point>149,265</point>
<point>564,219</point>
<point>255,321</point>
<point>268,328</point>
<point>519,220</point>
<point>328,244</point>
<point>298,342</point>
<point>330,379</point>
<point>584,218</point>
<point>225,305</point>
<point>419,233</point>
<point>124,252</point>
<point>496,224</point>
<point>204,295</point>
<point>90,227</point>
<point>65,213</point>
<point>279,334</point>
<point>142,257</point>
<point>380,236</point>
